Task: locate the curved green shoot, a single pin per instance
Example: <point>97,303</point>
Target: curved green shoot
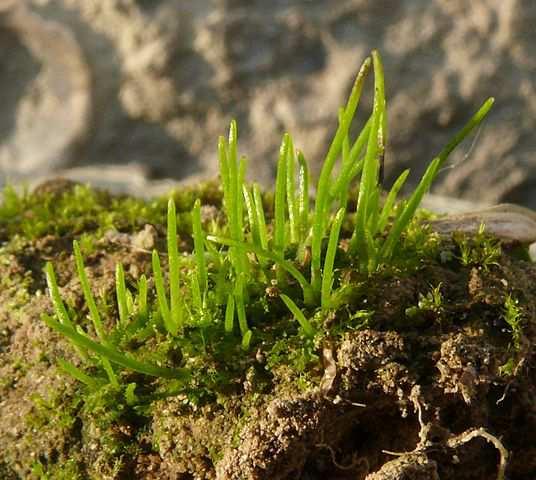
<point>369,178</point>
<point>93,311</point>
<point>232,158</point>
<point>142,296</point>
<point>233,179</point>
<point>175,302</point>
<point>86,289</point>
<point>246,340</point>
<point>229,313</point>
<point>280,195</point>
<point>55,296</point>
<point>261,221</point>
<point>195,290</point>
<point>240,306</point>
<point>199,247</point>
<point>327,272</point>
<point>308,294</point>
<point>351,169</point>
<point>298,315</point>
<point>161,294</point>
<point>241,182</point>
<point>323,188</point>
<point>224,171</point>
<point>409,210</point>
<point>360,142</point>
<point>292,201</point>
<point>475,120</point>
<point>121,294</point>
<point>414,201</point>
<point>112,355</point>
<point>58,305</point>
<point>252,215</point>
<point>78,374</point>
<point>129,302</point>
<point>303,196</point>
<point>345,142</point>
<point>390,201</point>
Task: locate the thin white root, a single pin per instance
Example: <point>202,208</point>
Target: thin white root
<point>465,437</point>
<point>356,461</point>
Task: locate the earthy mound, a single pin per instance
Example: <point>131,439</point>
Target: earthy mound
<point>426,372</point>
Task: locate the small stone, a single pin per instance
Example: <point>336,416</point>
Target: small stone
<point>146,238</point>
<point>506,221</point>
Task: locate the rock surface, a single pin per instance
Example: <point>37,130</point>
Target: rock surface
<point>151,84</point>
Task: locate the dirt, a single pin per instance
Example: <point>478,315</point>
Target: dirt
<point>429,399</point>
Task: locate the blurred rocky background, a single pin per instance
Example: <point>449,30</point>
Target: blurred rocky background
<point>126,93</point>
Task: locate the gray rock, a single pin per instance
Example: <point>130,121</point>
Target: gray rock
<point>52,114</point>
<point>153,83</point>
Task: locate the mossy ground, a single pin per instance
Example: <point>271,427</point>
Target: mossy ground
<point>431,333</point>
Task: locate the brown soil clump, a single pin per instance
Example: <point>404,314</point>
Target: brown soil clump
<point>444,395</point>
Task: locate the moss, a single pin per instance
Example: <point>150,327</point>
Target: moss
<point>67,209</point>
<point>67,470</point>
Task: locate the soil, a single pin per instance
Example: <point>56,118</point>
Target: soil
<point>440,395</point>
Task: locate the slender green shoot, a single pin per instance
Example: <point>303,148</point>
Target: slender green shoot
<point>142,297</point>
<point>327,272</point>
<point>241,182</point>
<point>195,289</point>
<point>321,210</point>
<point>252,215</point>
<point>199,248</point>
<point>298,315</point>
<point>389,203</point>
<point>86,289</point>
<point>371,261</point>
<point>130,394</point>
<point>57,303</point>
<point>475,120</point>
<point>235,208</point>
<point>55,296</point>
<point>352,168</point>
<point>161,295</point>
<point>240,306</point>
<point>246,340</point>
<point>233,196</point>
<point>409,210</point>
<point>369,178</point>
<point>93,310</point>
<point>261,221</point>
<point>78,374</point>
<point>345,142</point>
<point>175,302</point>
<point>303,196</point>
<point>280,195</point>
<point>292,201</point>
<point>232,157</point>
<point>414,201</point>
<point>129,302</point>
<point>112,355</point>
<point>308,294</point>
<point>224,173</point>
<point>229,313</point>
<point>373,214</point>
<point>121,294</point>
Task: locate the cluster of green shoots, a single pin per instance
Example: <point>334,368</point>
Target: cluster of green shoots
<point>294,248</point>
